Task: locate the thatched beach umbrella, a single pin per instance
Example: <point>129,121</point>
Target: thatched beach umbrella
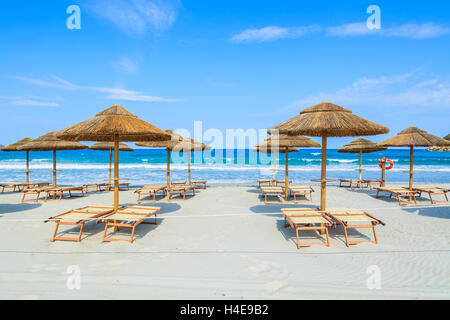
<point>328,120</point>
<point>14,147</point>
<point>109,146</point>
<point>286,142</point>
<point>176,144</point>
<point>414,137</point>
<point>361,146</point>
<point>50,142</point>
<point>114,124</point>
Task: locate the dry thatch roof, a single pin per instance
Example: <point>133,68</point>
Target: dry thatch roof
<point>286,141</point>
<point>16,145</point>
<point>414,137</point>
<point>361,145</point>
<point>106,146</point>
<point>176,144</point>
<point>330,120</point>
<point>49,142</point>
<point>112,124</point>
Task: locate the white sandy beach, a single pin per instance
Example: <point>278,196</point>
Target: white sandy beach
<point>226,244</point>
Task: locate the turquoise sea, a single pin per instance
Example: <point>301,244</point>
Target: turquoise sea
<point>147,166</point>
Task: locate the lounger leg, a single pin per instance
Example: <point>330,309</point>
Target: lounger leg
<point>431,199</point>
<point>378,192</point>
<point>298,239</point>
<point>346,236</point>
<point>54,233</point>
<point>328,238</point>
<point>374,233</point>
<point>104,232</point>
<point>132,234</point>
<point>81,232</point>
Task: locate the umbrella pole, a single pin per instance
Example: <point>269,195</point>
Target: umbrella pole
<point>411,170</point>
<point>110,167</point>
<point>116,179</point>
<point>28,166</point>
<point>360,165</point>
<point>323,183</point>
<point>168,168</point>
<point>286,183</point>
<point>189,166</point>
<point>274,168</point>
<point>383,174</point>
<point>54,168</point>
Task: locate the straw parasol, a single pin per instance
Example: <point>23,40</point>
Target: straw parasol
<point>328,120</point>
<point>361,146</point>
<point>286,143</point>
<point>50,142</point>
<point>176,144</point>
<point>14,147</point>
<point>109,146</point>
<point>114,124</point>
<point>414,137</point>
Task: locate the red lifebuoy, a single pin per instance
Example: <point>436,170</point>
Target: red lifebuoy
<point>391,164</point>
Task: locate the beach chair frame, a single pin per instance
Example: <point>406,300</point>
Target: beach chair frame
<point>149,191</point>
<point>98,187</point>
<point>80,222</point>
<point>343,181</point>
<point>339,218</point>
<point>58,193</point>
<point>402,195</point>
<point>277,192</point>
<point>181,191</point>
<point>432,191</point>
<point>199,184</point>
<point>295,191</point>
<point>289,214</point>
<point>108,223</point>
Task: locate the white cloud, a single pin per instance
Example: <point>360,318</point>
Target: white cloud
<point>272,33</point>
<point>405,90</point>
<point>112,93</point>
<point>30,101</point>
<point>410,30</point>
<point>136,16</point>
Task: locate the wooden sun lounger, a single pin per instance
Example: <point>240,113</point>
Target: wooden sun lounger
<point>58,192</point>
<point>343,181</point>
<point>97,187</point>
<point>20,186</point>
<point>372,182</point>
<point>150,191</point>
<point>199,184</point>
<point>266,182</point>
<point>178,183</point>
<point>304,191</point>
<point>281,182</point>
<point>307,219</point>
<point>181,191</point>
<point>272,192</point>
<point>36,192</point>
<point>402,194</point>
<point>129,217</point>
<point>433,191</point>
<point>78,217</point>
<point>346,216</point>
<point>122,186</point>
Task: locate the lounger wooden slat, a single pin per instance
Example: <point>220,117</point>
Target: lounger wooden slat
<point>78,217</point>
<point>433,191</point>
<point>150,191</point>
<point>272,192</point>
<point>129,217</point>
<point>346,216</point>
<point>303,191</point>
<point>199,184</point>
<point>307,219</point>
<point>402,194</point>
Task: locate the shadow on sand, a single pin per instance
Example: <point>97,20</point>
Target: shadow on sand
<point>17,207</point>
<point>441,212</point>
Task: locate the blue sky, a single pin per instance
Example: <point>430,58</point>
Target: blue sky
<point>231,64</point>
